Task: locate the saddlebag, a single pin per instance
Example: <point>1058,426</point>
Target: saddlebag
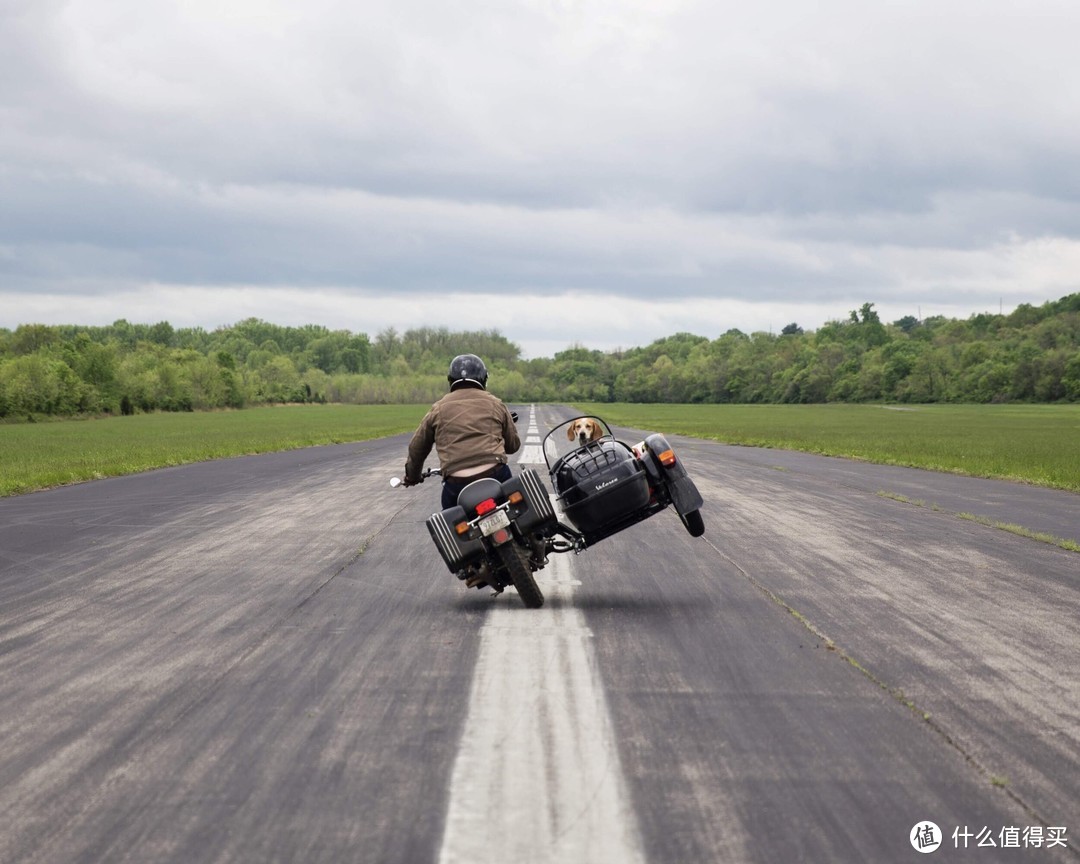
<point>455,550</point>
<point>539,512</point>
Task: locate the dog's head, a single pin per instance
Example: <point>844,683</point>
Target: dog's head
<point>583,430</point>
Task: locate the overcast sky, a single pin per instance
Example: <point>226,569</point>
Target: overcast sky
<point>597,171</point>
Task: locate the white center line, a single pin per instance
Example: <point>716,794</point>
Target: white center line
<point>537,776</point>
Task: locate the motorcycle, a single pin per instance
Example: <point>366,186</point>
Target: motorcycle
<point>500,533</point>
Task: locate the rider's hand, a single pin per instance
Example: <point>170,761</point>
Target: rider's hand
<point>412,481</point>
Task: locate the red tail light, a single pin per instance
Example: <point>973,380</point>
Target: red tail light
<point>485,507</point>
<point>667,458</point>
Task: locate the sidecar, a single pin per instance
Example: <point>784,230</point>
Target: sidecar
<point>605,486</point>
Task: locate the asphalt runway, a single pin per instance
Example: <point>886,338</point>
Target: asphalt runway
<point>264,659</point>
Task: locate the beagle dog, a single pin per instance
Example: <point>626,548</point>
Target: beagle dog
<point>583,430</point>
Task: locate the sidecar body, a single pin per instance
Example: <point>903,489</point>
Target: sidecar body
<point>605,485</point>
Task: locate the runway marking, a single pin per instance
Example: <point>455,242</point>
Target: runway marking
<point>537,774</point>
<point>532,453</point>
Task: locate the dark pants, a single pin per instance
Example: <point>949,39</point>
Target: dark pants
<point>452,486</point>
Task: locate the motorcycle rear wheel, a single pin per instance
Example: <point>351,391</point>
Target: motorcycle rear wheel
<point>516,561</point>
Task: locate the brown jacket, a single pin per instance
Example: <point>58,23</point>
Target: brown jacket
<point>468,427</point>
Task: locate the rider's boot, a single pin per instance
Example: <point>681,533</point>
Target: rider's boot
<point>478,577</point>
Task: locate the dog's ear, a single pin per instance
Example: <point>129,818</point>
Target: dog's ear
<point>595,432</point>
<point>570,432</point>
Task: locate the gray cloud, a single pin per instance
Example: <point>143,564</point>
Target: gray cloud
<point>766,154</point>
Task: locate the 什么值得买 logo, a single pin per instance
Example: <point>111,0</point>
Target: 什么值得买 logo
<point>925,837</point>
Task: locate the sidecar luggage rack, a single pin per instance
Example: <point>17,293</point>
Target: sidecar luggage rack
<point>593,459</point>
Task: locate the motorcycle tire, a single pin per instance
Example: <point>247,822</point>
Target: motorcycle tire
<point>694,524</point>
<point>516,561</point>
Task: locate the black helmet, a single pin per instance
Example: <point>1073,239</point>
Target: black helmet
<point>467,367</point>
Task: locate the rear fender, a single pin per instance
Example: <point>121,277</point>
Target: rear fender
<point>681,489</point>
<point>480,490</point>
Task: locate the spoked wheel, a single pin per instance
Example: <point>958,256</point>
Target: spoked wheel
<point>693,523</point>
<point>516,561</point>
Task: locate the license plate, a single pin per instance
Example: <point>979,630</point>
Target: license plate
<point>490,524</point>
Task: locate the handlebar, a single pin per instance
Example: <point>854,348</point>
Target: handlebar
<point>427,472</point>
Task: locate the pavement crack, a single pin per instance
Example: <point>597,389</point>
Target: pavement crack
<point>365,544</point>
<point>896,693</point>
<point>1019,530</point>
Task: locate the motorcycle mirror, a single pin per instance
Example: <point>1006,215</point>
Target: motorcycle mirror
<point>395,482</point>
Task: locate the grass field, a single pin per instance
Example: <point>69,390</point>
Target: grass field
<point>1037,444</point>
<point>40,455</point>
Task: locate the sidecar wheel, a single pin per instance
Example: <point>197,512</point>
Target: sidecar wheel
<point>694,524</point>
<point>516,561</point>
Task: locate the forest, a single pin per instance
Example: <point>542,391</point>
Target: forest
<point>1031,354</point>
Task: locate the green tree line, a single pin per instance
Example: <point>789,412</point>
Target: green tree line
<point>1031,355</point>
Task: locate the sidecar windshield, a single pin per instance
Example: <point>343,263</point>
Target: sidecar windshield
<point>573,435</point>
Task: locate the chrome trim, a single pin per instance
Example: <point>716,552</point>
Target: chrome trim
<point>539,499</point>
<point>445,539</point>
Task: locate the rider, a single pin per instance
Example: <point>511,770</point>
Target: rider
<point>472,431</point>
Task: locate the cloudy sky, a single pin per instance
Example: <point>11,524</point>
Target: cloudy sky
<point>597,171</point>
